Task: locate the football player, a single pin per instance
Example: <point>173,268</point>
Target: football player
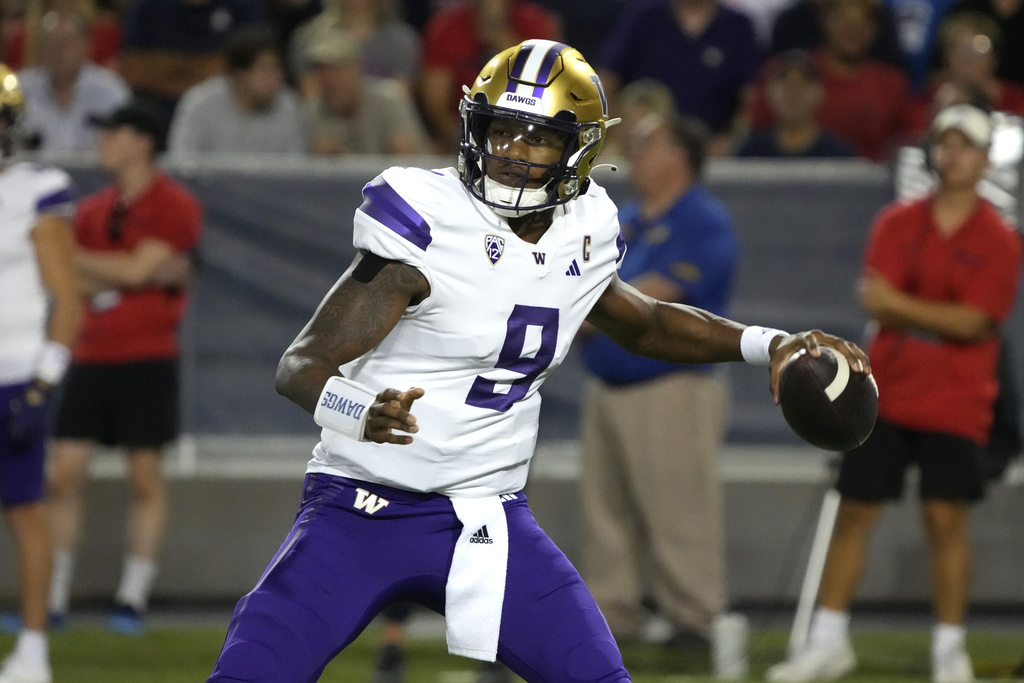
<point>469,286</point>
<point>36,263</point>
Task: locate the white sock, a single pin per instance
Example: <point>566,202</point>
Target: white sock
<point>948,638</point>
<point>136,582</point>
<point>32,647</point>
<point>60,581</point>
<point>828,626</point>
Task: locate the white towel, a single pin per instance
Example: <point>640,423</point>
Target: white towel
<point>475,591</point>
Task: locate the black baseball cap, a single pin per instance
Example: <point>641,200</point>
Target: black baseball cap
<point>141,116</point>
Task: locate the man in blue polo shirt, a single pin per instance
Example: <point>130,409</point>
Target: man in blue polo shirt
<point>706,53</point>
<point>652,430</point>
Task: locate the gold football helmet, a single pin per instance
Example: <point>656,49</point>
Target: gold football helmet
<point>12,103</point>
<point>543,83</point>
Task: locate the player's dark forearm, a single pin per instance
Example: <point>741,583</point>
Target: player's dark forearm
<point>684,334</point>
<point>301,379</point>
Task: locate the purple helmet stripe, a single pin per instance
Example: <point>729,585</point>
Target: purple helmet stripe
<point>545,68</point>
<point>517,68</point>
<point>383,204</point>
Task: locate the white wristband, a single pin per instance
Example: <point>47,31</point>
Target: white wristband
<point>343,407</point>
<point>52,362</point>
<point>755,343</point>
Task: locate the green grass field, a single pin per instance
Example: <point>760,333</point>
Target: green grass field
<point>180,655</point>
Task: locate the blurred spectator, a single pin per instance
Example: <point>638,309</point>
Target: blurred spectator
<point>867,103</point>
<point>287,16</point>
<point>66,89</point>
<point>703,51</point>
<point>763,13</point>
<point>352,113</point>
<point>969,44</point>
<point>795,94</point>
<point>917,24</point>
<point>171,45</point>
<point>388,47</point>
<point>248,109</point>
<point>1009,16</point>
<point>803,26</point>
<point>634,103</point>
<point>585,23</point>
<point>651,430</point>
<point>122,389</point>
<point>22,37</point>
<point>458,42</point>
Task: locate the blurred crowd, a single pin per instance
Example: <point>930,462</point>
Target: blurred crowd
<point>333,77</point>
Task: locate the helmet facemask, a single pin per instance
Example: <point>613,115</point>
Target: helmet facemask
<point>512,197</point>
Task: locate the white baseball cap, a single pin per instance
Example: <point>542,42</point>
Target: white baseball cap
<point>968,119</point>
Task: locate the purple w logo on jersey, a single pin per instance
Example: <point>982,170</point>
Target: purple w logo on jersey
<point>494,245</point>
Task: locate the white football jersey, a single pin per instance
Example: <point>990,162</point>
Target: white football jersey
<point>26,192</point>
<point>499,319</point>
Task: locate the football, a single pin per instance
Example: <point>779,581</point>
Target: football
<point>825,403</point>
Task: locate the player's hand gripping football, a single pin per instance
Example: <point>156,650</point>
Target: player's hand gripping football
<point>812,341</point>
<point>390,414</point>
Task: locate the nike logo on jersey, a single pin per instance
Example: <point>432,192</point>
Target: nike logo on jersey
<point>481,536</point>
<point>574,270</point>
<point>370,502</point>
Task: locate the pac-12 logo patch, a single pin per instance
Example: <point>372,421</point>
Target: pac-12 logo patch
<point>494,245</point>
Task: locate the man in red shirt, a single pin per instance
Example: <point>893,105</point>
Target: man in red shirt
<point>122,388</point>
<point>940,277</point>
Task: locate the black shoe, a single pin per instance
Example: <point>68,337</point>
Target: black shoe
<point>493,672</point>
<point>390,667</point>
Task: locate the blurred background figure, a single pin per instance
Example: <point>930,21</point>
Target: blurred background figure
<point>22,37</point>
<point>868,104</point>
<point>706,53</point>
<point>134,237</point>
<point>170,46</point>
<point>386,46</point>
<point>633,104</point>
<point>247,109</point>
<point>794,94</point>
<point>651,430</point>
<point>803,26</point>
<point>969,44</point>
<point>917,26</point>
<point>457,42</point>
<point>36,264</point>
<point>354,113</point>
<point>940,277</point>
<point>66,89</point>
<point>1009,17</point>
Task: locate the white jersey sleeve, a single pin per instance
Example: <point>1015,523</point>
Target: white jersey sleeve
<point>393,221</point>
<point>27,191</point>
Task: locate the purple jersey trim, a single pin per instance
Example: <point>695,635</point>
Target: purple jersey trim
<point>620,244</point>
<point>383,204</point>
<point>54,200</point>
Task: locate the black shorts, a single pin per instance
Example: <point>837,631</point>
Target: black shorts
<point>122,404</point>
<point>952,467</point>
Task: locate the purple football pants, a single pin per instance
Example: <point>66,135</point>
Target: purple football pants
<point>340,565</point>
<point>21,465</point>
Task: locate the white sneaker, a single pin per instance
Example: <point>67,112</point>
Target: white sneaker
<point>952,667</point>
<point>19,670</point>
<point>815,662</point>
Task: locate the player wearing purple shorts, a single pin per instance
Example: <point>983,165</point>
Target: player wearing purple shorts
<point>469,286</point>
<point>36,267</point>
